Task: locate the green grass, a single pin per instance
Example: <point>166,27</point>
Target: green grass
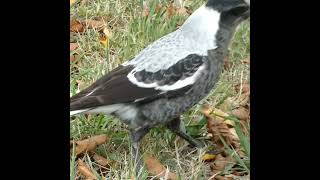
<point>130,34</point>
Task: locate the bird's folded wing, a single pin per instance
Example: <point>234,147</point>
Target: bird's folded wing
<point>125,85</point>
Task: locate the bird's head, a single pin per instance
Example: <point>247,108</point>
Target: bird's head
<point>233,12</point>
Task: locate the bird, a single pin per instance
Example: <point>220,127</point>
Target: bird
<point>169,76</point>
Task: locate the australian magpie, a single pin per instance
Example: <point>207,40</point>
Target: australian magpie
<point>169,76</point>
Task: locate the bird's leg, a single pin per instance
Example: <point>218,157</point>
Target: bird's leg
<point>136,136</point>
<point>177,126</point>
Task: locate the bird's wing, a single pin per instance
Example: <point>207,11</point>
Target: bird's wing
<point>126,85</point>
<point>168,50</point>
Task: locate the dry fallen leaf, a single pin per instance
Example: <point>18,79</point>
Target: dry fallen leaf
<point>174,9</point>
<point>220,163</point>
<point>85,171</point>
<point>104,37</point>
<point>100,160</point>
<point>170,10</point>
<point>95,24</point>
<point>218,128</point>
<point>155,168</point>
<point>182,11</point>
<point>89,144</point>
<point>242,113</point>
<point>76,26</point>
<point>208,157</point>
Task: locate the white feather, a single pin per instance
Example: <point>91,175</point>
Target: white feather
<point>196,36</point>
<point>177,85</point>
<point>107,109</point>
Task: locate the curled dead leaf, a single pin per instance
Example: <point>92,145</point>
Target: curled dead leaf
<point>101,160</point>
<point>90,144</point>
<point>85,171</point>
<point>218,128</point>
<point>155,168</point>
<point>220,163</point>
<point>76,26</point>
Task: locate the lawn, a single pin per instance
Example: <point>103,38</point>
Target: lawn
<point>131,27</point>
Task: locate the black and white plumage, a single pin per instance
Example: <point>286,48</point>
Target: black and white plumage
<point>169,76</point>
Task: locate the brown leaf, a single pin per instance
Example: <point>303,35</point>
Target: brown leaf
<point>170,10</point>
<point>182,11</point>
<point>104,37</point>
<point>218,128</point>
<point>101,160</point>
<point>76,26</point>
<point>85,171</point>
<point>90,144</point>
<point>155,168</point>
<point>173,10</point>
<point>220,163</point>
<point>95,24</point>
<point>242,113</point>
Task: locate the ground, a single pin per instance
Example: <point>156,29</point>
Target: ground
<point>131,27</point>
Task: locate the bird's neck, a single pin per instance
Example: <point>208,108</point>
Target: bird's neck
<point>204,27</point>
